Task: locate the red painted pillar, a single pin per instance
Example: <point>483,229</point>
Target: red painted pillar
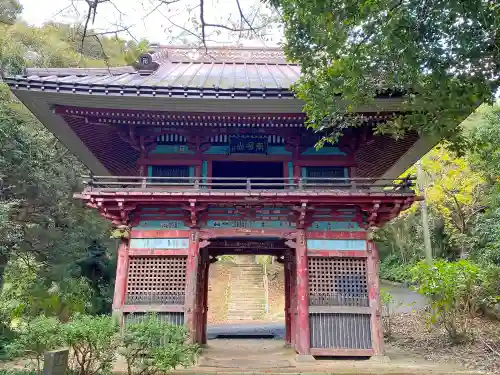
<point>288,309</point>
<point>198,313</point>
<point>303,336</point>
<point>205,302</point>
<point>293,299</point>
<point>121,278</point>
<point>190,306</point>
<point>374,299</point>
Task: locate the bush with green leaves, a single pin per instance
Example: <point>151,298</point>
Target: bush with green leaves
<point>35,337</point>
<point>17,372</point>
<point>151,346</point>
<point>94,341</point>
<point>455,290</point>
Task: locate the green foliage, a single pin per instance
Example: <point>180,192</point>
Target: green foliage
<point>485,144</point>
<point>352,51</point>
<point>392,269</point>
<point>93,341</point>
<point>455,291</point>
<point>151,346</point>
<point>9,11</point>
<point>56,257</point>
<point>388,312</point>
<point>486,234</point>
<point>17,372</point>
<point>463,196</point>
<point>35,337</point>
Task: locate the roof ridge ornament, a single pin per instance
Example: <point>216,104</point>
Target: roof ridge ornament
<point>145,65</point>
<point>227,54</point>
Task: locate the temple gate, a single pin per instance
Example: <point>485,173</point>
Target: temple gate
<point>199,155</point>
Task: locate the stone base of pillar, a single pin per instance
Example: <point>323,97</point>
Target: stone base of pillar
<point>304,358</point>
<point>118,315</point>
<point>379,358</point>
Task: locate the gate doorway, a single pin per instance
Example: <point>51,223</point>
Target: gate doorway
<point>243,312</point>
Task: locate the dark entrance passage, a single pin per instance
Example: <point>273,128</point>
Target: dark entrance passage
<point>248,288</point>
<point>261,174</point>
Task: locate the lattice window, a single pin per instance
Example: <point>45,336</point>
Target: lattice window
<point>315,173</point>
<point>338,281</point>
<point>156,280</point>
<point>170,171</point>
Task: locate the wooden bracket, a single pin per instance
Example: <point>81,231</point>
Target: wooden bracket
<point>137,142</point>
<point>303,215</point>
<point>193,211</point>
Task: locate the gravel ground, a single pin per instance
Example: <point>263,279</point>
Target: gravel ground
<point>482,352</point>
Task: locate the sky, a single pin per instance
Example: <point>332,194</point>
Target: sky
<point>146,22</point>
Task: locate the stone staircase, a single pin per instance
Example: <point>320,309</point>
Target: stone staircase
<point>246,295</point>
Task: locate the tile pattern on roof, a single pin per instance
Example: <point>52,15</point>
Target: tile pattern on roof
<point>177,71</point>
<point>181,75</point>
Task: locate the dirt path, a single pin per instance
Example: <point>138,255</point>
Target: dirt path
<point>405,300</point>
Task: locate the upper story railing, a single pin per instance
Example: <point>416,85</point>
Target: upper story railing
<point>152,184</point>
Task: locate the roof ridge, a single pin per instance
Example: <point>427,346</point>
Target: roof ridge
<point>227,54</point>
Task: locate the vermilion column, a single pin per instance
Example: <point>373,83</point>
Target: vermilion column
<point>303,336</point>
<point>288,290</point>
<point>293,299</point>
<point>191,302</point>
<point>198,313</point>
<point>121,278</point>
<point>374,299</point>
<point>205,302</point>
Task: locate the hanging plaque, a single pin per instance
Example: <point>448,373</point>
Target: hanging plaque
<point>248,145</point>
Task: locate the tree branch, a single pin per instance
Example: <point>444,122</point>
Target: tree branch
<point>243,16</point>
<point>110,32</point>
<point>202,21</point>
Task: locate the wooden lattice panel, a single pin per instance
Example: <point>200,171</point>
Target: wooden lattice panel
<point>156,280</point>
<point>338,281</point>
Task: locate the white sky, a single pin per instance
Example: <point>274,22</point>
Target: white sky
<point>148,23</point>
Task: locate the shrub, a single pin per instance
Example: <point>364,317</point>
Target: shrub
<point>93,341</point>
<point>34,338</point>
<point>391,269</point>
<point>152,346</point>
<point>455,291</point>
<point>387,302</point>
<point>17,372</point>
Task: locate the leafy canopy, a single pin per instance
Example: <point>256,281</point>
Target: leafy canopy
<point>9,10</point>
<point>442,56</point>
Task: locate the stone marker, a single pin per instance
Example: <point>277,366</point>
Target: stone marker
<point>55,362</point>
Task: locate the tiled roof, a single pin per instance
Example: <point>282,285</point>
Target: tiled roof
<point>176,72</point>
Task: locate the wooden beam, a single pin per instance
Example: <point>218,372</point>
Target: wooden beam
<point>153,308</point>
<point>337,253</point>
<point>339,310</point>
<point>342,352</point>
<point>158,252</point>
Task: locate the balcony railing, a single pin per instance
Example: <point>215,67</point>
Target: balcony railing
<point>151,184</point>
